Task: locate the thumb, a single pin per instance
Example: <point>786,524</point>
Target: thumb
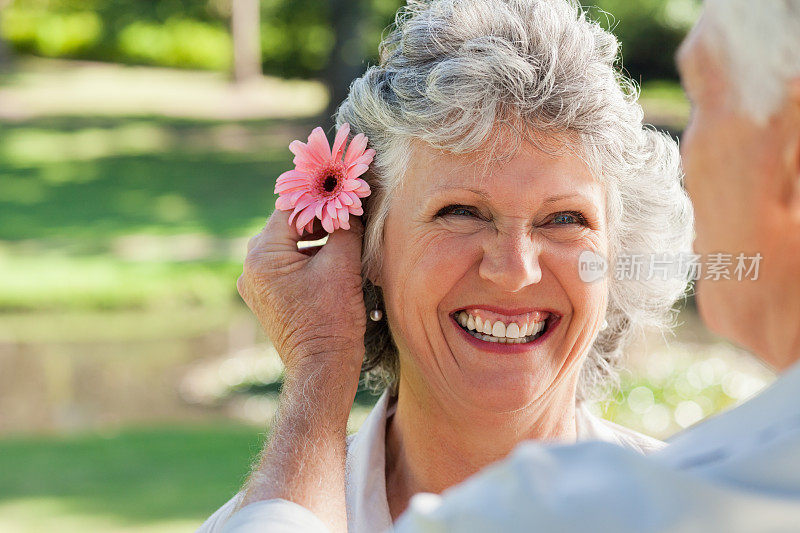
<point>343,246</point>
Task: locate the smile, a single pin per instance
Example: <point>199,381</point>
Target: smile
<point>524,329</point>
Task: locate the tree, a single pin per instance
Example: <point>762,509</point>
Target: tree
<point>246,30</point>
<point>5,53</point>
<point>348,20</point>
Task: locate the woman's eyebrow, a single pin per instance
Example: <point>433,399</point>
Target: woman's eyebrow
<point>485,195</point>
<point>446,188</point>
<point>567,196</point>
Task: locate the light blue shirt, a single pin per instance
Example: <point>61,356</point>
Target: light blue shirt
<point>737,472</point>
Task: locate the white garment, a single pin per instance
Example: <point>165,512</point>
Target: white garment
<point>737,472</point>
<point>367,503</point>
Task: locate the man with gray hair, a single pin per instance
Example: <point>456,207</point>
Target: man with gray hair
<point>737,472</point>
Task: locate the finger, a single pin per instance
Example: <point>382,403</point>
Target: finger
<point>254,240</point>
<point>343,245</point>
<point>277,233</point>
<point>241,287</point>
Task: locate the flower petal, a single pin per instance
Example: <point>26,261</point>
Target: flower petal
<point>310,226</point>
<point>318,209</point>
<point>307,165</point>
<point>294,196</point>
<point>304,217</point>
<point>293,181</point>
<point>285,188</point>
<point>327,222</point>
<point>304,201</point>
<point>356,200</point>
<point>350,184</point>
<point>298,148</point>
<point>291,175</point>
<point>305,159</point>
<point>294,214</point>
<point>318,146</point>
<point>331,209</point>
<point>287,183</point>
<point>356,149</point>
<point>345,199</point>
<point>338,143</point>
<point>283,203</point>
<point>343,215</point>
<point>356,170</point>
<point>363,189</point>
<point>365,159</point>
<point>358,211</point>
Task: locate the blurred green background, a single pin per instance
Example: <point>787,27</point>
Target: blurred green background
<point>139,144</point>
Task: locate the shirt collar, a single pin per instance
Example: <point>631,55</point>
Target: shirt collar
<point>368,506</point>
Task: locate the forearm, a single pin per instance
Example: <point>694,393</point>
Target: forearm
<point>304,461</point>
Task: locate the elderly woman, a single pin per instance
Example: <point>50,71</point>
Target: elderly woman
<point>507,145</point>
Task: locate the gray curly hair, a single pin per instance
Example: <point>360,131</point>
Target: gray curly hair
<point>456,74</point>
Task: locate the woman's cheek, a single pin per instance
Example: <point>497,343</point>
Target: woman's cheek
<point>446,256</point>
<point>564,260</point>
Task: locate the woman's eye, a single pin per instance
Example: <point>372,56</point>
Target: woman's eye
<point>457,210</point>
<point>569,217</point>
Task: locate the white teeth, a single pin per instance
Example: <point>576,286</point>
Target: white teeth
<point>485,330</point>
<point>499,329</point>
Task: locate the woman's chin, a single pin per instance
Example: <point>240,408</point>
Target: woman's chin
<point>504,392</point>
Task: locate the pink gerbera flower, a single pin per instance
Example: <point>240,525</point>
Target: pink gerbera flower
<point>322,184</point>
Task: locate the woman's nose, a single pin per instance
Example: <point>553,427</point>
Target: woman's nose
<point>511,262</point>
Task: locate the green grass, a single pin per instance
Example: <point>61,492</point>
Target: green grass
<point>90,180</point>
<point>153,478</point>
<point>88,207</point>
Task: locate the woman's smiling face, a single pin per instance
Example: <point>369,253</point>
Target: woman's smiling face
<point>480,276</point>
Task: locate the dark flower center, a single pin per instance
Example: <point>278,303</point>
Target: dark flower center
<point>330,183</point>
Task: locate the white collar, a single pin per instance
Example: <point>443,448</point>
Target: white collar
<point>367,503</point>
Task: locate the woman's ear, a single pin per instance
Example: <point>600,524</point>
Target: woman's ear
<point>375,279</point>
<point>373,273</point>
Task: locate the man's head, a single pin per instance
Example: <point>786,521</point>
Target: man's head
<point>740,67</point>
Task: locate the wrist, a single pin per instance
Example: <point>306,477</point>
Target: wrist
<point>319,394</point>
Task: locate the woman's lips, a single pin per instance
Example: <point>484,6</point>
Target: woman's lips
<point>501,332</point>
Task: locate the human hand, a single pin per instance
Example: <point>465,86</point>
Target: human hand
<point>309,302</point>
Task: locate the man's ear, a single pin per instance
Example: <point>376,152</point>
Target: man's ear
<point>793,150</point>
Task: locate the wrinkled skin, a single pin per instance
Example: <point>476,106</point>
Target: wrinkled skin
<point>327,328</point>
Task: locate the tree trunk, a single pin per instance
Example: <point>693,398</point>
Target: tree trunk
<point>348,19</point>
<point>5,52</point>
<point>246,30</point>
